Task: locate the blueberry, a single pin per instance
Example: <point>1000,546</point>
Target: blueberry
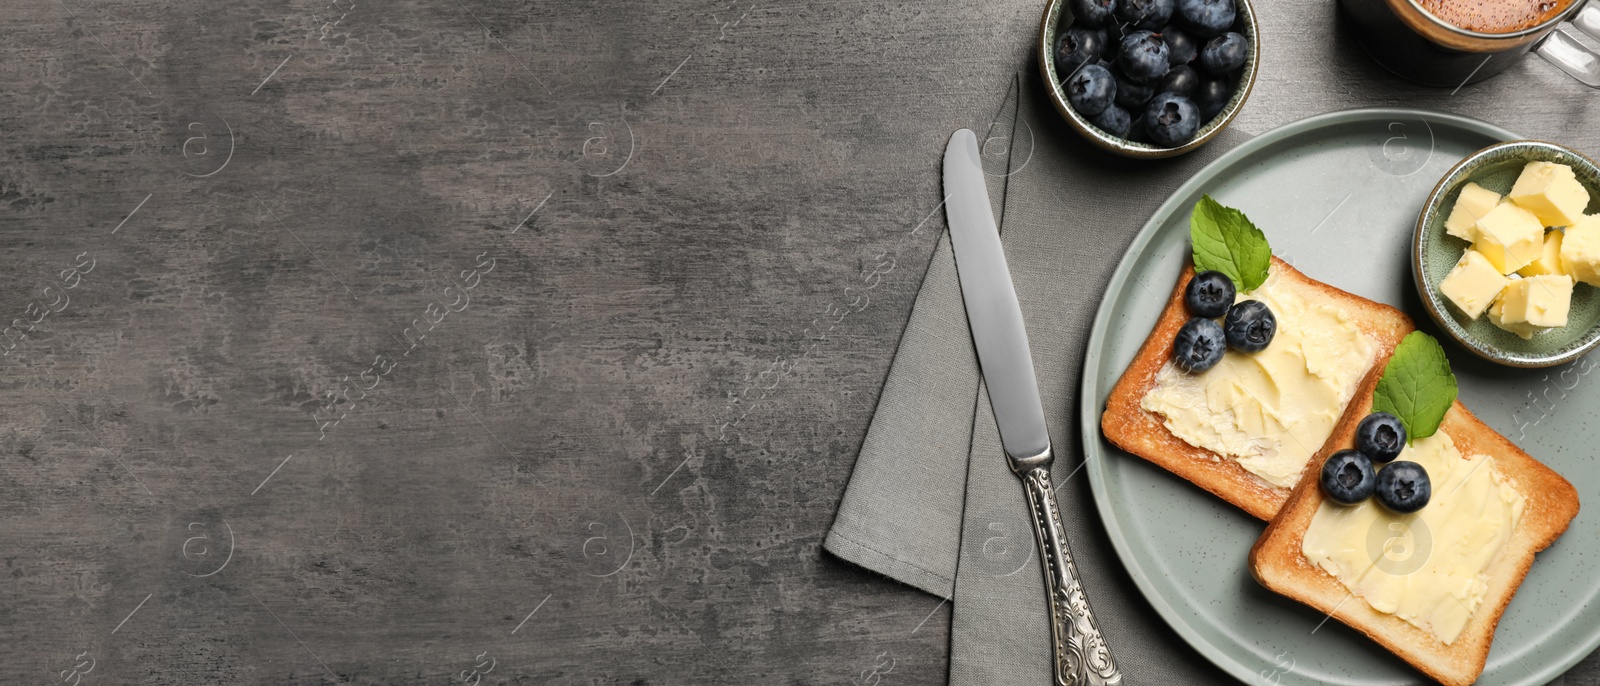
<point>1347,477</point>
<point>1160,15</point>
<point>1181,80</point>
<point>1181,48</point>
<point>1113,120</point>
<point>1209,294</point>
<point>1076,47</point>
<point>1199,345</point>
<point>1250,326</point>
<point>1092,13</point>
<point>1091,90</point>
<point>1212,96</point>
<point>1381,436</point>
<point>1206,18</point>
<point>1403,487</point>
<point>1171,120</point>
<point>1143,56</point>
<point>1150,15</point>
<point>1133,95</point>
<point>1224,54</point>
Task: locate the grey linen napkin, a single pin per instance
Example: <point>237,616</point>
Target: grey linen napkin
<point>917,509</point>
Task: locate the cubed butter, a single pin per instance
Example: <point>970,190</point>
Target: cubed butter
<point>1510,236</point>
<point>1541,301</point>
<point>1497,314</point>
<point>1472,203</point>
<point>1552,192</point>
<point>1549,261</point>
<point>1473,284</point>
<point>1580,250</point>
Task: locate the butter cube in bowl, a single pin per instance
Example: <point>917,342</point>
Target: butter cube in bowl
<point>1506,254</point>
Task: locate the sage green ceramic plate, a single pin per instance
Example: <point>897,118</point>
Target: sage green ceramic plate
<point>1337,195</point>
<point>1435,253</point>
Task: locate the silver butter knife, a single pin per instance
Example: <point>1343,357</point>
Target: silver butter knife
<point>1082,657</point>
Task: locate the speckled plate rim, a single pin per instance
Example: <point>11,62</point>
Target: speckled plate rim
<point>1047,71</point>
<point>1433,301</point>
<point>1093,396</point>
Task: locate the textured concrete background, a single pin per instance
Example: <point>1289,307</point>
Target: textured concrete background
<point>460,341</point>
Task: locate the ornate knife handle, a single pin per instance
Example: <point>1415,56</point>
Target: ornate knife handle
<point>1082,657</point>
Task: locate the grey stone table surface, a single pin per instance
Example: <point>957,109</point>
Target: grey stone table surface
<point>460,341</point>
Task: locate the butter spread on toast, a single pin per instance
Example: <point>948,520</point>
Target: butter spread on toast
<point>1271,410</point>
<point>1429,567</point>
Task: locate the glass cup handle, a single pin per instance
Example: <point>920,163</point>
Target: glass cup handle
<point>1562,49</point>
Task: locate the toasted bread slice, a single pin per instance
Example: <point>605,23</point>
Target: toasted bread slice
<point>1141,432</point>
<point>1277,562</point>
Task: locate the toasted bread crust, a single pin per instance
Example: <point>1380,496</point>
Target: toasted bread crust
<point>1140,432</point>
<point>1277,562</point>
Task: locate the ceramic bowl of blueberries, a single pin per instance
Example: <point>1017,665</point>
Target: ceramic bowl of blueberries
<point>1149,78</point>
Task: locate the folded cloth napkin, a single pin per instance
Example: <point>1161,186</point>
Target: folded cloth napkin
<point>917,509</point>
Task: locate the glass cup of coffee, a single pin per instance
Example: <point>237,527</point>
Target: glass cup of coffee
<point>1452,43</point>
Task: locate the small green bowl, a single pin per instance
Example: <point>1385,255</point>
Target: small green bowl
<point>1434,253</point>
<point>1058,17</point>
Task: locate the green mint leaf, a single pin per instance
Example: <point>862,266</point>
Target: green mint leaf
<point>1225,240</point>
<point>1417,385</point>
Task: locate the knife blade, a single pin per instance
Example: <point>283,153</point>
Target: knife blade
<point>992,309</point>
<point>1081,656</point>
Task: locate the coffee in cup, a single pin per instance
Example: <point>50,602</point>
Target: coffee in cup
<point>1452,43</point>
<point>1495,16</point>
